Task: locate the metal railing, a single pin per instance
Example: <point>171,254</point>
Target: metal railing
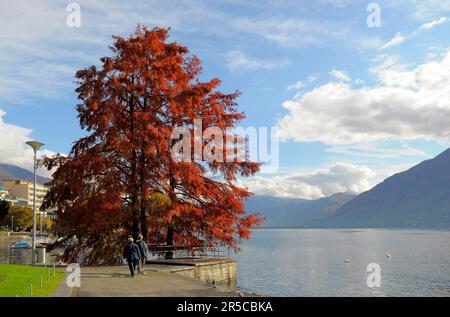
<point>189,252</point>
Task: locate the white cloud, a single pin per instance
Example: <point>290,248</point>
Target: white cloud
<point>340,74</point>
<point>297,86</point>
<point>432,24</point>
<point>13,149</point>
<point>390,170</point>
<point>424,9</point>
<point>312,78</point>
<point>238,60</point>
<point>336,3</point>
<point>370,43</point>
<point>339,177</point>
<point>420,10</point>
<point>36,31</point>
<point>300,32</point>
<point>369,150</point>
<point>400,38</point>
<point>39,52</point>
<point>406,104</point>
<point>397,40</point>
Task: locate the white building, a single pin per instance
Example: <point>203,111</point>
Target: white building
<point>22,190</point>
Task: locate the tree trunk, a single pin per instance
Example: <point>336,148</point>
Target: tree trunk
<point>135,226</point>
<point>134,185</point>
<point>169,242</point>
<point>144,230</point>
<point>134,218</point>
<point>142,185</point>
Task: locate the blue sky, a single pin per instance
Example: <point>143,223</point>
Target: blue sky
<point>354,104</point>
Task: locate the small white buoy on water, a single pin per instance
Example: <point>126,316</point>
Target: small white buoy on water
<point>347,261</point>
<point>388,255</point>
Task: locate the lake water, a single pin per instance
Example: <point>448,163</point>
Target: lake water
<point>311,262</point>
<point>13,256</point>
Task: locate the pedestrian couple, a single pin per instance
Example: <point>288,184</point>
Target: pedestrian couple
<point>136,254</point>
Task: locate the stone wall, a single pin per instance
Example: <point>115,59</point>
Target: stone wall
<point>218,272</point>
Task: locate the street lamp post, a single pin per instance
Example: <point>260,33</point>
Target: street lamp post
<point>35,146</point>
<point>40,223</point>
<point>12,223</point>
<point>42,217</point>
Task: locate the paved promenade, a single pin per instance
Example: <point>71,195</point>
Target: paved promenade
<point>116,281</point>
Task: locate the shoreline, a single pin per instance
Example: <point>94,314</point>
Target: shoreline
<point>182,277</point>
<point>115,281</point>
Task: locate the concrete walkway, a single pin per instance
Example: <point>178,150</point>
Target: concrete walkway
<point>116,281</point>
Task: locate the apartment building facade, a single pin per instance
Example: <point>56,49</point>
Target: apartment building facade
<point>22,190</point>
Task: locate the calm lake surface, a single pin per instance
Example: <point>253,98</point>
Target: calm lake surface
<point>311,262</point>
<point>13,256</point>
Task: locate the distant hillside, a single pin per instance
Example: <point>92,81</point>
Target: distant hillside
<point>8,171</point>
<point>295,212</point>
<point>418,197</point>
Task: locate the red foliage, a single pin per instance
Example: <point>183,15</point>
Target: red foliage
<point>129,107</point>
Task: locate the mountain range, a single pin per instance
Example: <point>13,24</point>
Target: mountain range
<point>296,212</point>
<point>416,198</point>
<point>8,171</point>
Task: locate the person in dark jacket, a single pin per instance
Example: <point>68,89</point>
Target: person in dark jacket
<point>132,254</point>
<point>143,248</point>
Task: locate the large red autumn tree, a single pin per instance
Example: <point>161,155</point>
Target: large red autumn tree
<point>122,178</point>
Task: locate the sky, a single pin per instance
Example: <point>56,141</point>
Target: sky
<point>358,90</point>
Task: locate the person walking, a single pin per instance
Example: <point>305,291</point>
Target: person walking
<point>132,253</point>
<point>143,248</point>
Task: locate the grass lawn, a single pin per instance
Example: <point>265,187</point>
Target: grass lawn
<point>15,280</point>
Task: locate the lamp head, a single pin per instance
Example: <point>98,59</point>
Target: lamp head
<point>35,145</point>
